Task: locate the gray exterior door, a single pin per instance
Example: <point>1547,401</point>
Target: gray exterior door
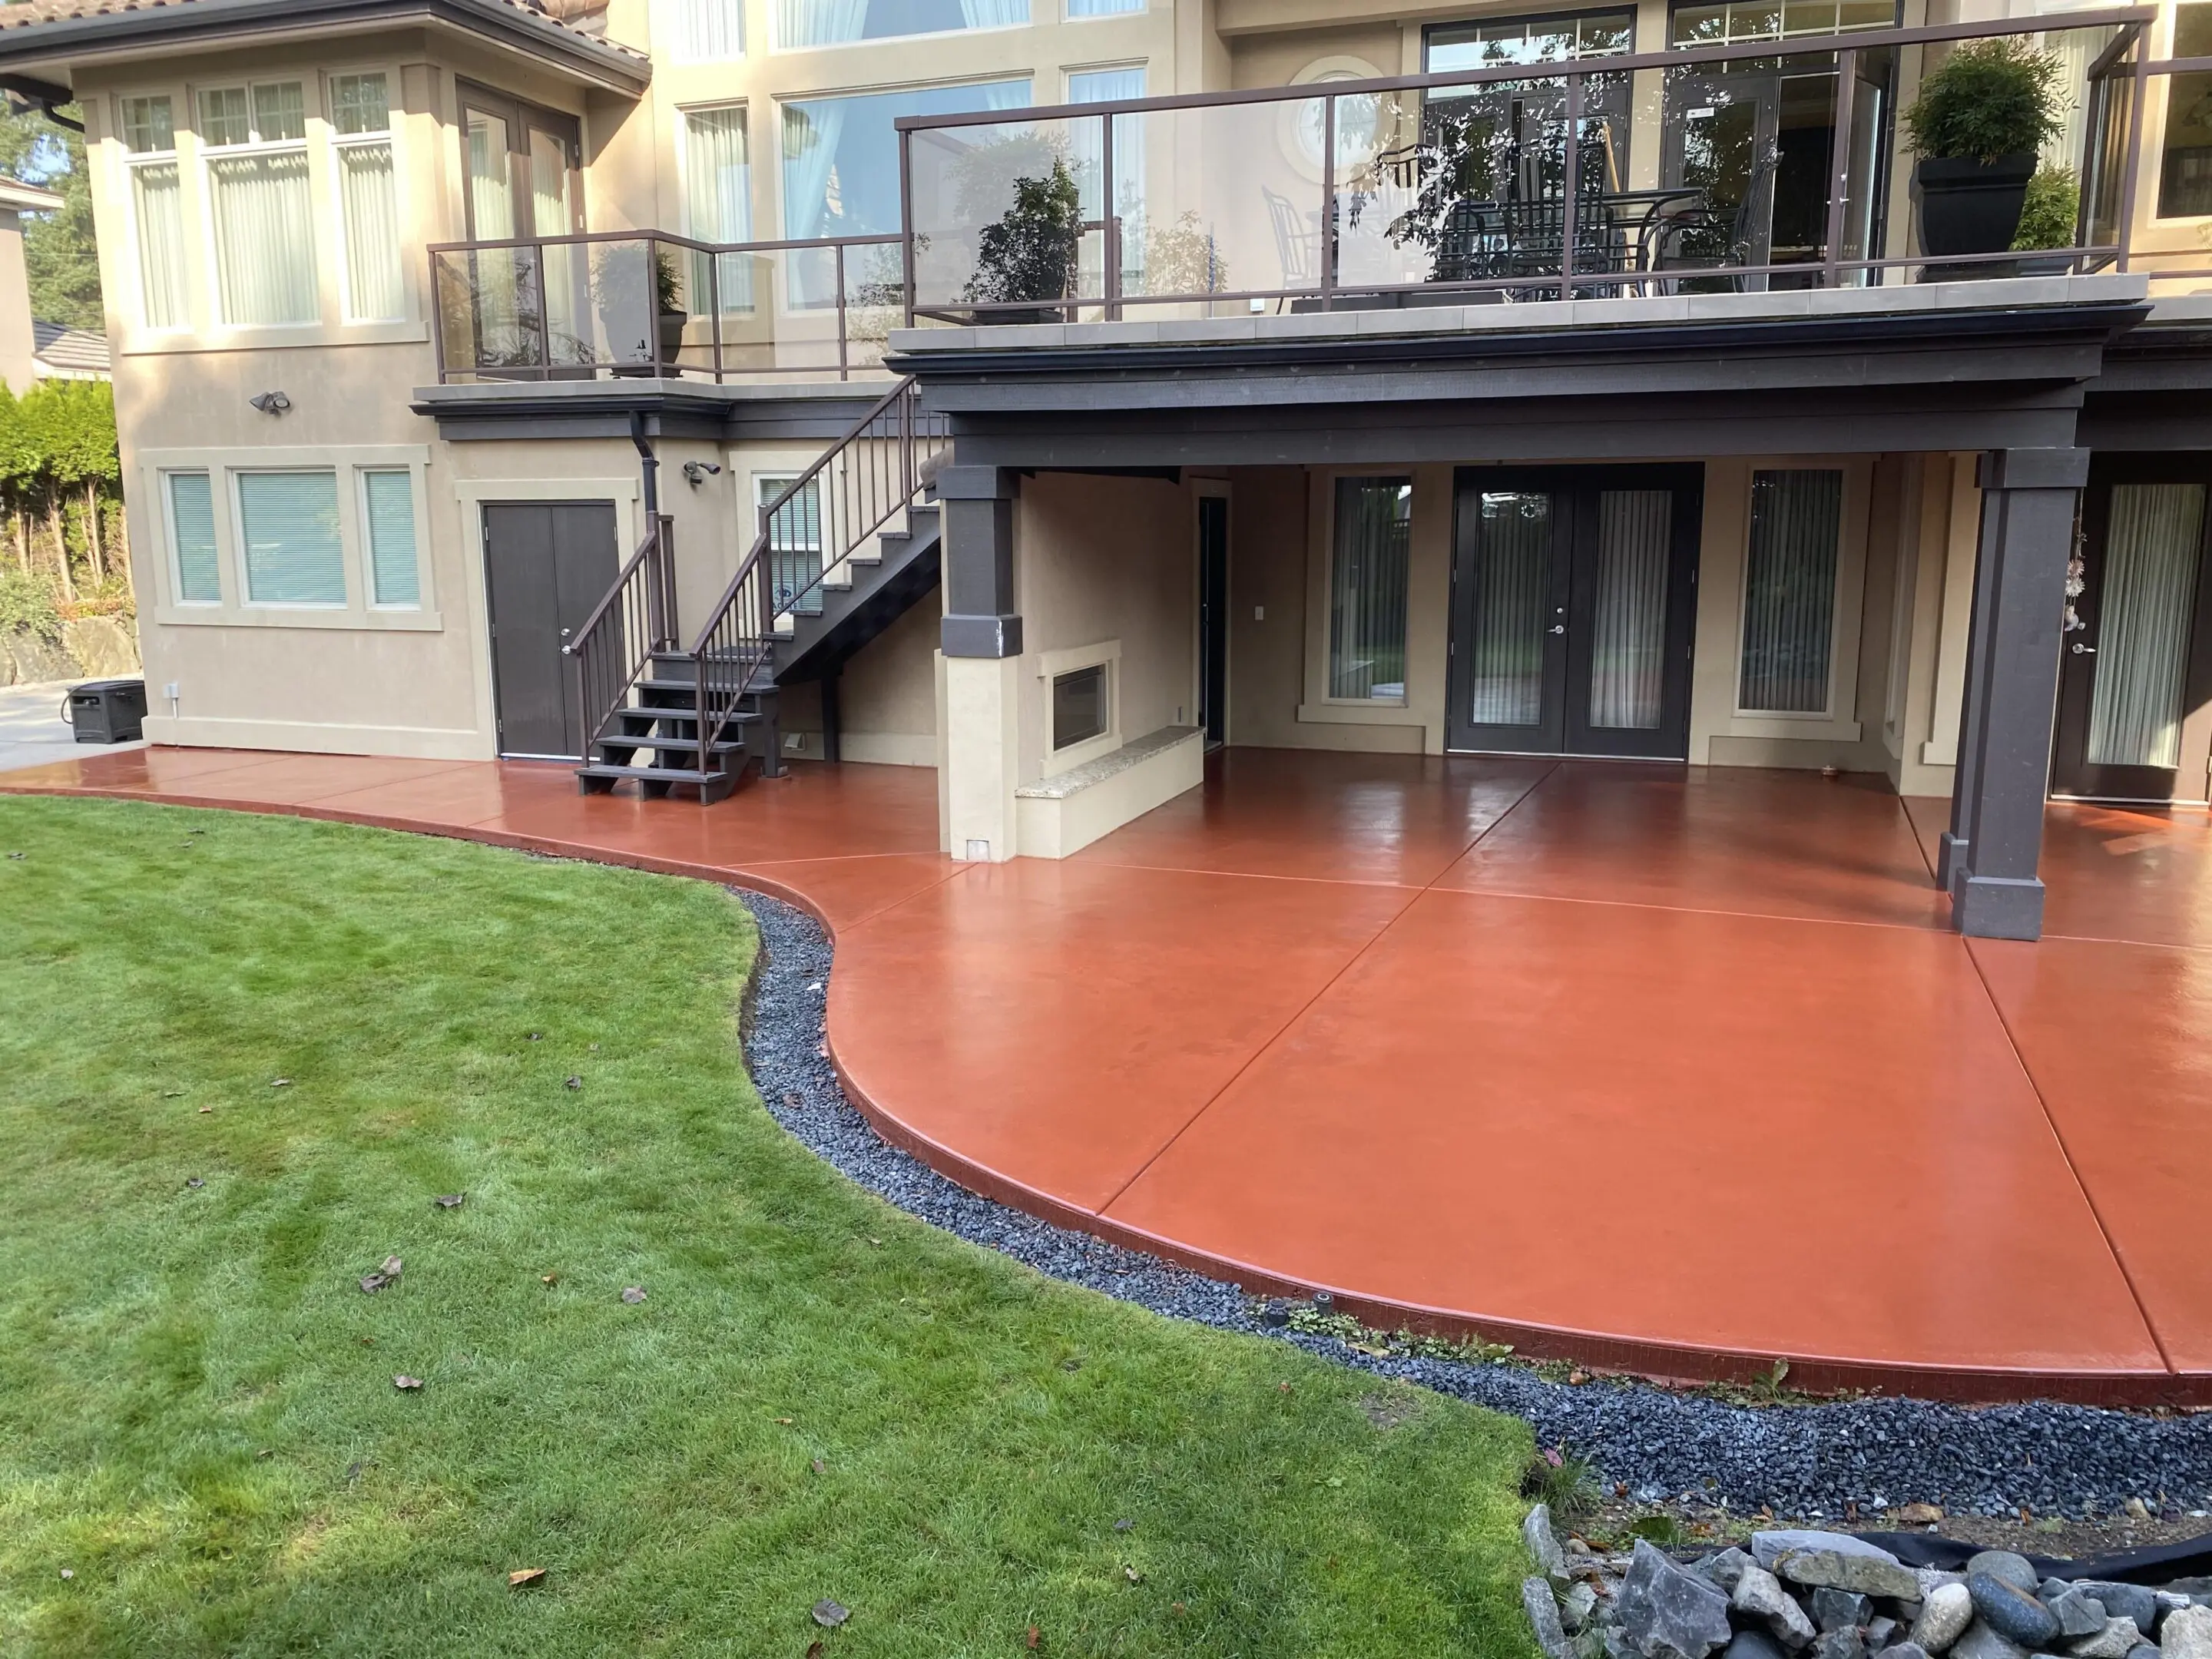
<point>547,565</point>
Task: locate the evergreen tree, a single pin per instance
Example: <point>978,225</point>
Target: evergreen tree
<point>58,248</point>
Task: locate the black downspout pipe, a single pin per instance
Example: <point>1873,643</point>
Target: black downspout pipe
<point>649,463</point>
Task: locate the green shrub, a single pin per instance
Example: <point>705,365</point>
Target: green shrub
<point>2053,209</point>
<point>27,607</point>
<point>1990,98</point>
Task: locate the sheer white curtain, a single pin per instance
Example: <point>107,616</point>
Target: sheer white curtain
<point>371,213</point>
<point>2151,551</point>
<point>1628,619</point>
<point>994,14</point>
<point>819,22</point>
<point>1086,145</point>
<point>704,31</point>
<point>1789,590</point>
<point>718,187</point>
<point>810,137</point>
<point>158,203</point>
<point>264,240</point>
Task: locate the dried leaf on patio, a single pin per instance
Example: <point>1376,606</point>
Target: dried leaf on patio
<point>829,1614</point>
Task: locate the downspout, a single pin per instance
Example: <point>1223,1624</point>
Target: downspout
<point>649,463</point>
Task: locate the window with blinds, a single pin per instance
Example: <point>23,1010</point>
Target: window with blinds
<point>194,561</point>
<point>1789,590</point>
<point>288,525</point>
<point>1367,588</point>
<point>256,142</point>
<point>369,206</point>
<point>149,142</point>
<point>388,515</point>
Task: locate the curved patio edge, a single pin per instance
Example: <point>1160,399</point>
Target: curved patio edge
<point>1600,1353</point>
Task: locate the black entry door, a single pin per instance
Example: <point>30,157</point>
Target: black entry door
<point>547,565</point>
<point>1213,618</point>
<point>2136,661</point>
<point>1574,590</point>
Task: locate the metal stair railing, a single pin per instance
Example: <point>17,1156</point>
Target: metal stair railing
<point>808,535</point>
<point>636,618</point>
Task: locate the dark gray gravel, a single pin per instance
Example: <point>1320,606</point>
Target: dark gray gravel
<point>1802,1460</point>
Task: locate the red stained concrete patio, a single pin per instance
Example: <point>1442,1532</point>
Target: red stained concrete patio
<point>1672,1069</point>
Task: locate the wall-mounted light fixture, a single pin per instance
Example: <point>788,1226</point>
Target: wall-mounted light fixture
<point>271,402</point>
<point>697,472</point>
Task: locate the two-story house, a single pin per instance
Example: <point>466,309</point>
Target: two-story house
<point>1044,391</point>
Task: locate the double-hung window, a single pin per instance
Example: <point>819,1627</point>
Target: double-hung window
<point>255,140</point>
<point>702,31</point>
<point>369,206</point>
<point>157,220</point>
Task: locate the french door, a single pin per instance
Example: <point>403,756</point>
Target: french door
<point>1574,591</point>
<point>2136,661</point>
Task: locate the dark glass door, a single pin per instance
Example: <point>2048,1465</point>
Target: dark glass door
<point>1213,618</point>
<point>547,564</point>
<point>1573,597</point>
<point>2136,661</point>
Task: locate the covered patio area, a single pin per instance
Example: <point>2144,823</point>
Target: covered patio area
<point>1674,1069</point>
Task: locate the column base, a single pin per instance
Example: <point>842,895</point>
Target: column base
<point>1998,906</point>
<point>1950,861</point>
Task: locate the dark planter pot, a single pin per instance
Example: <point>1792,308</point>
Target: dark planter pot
<point>1968,206</point>
<point>672,331</point>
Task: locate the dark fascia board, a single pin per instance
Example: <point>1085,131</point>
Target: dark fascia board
<point>606,413</point>
<point>108,35</point>
<point>2045,343</point>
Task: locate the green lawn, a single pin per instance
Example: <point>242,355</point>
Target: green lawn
<point>819,1397</point>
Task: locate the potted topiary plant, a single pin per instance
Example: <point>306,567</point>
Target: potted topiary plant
<point>1977,125</point>
<point>2048,220</point>
<point>668,294</point>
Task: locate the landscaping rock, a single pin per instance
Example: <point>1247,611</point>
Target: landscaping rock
<point>28,659</point>
<point>1934,1578</point>
<point>1576,1603</point>
<point>1878,1574</point>
<point>1881,1633</point>
<point>1845,1644</point>
<point>1759,1595</point>
<point>2006,1565</point>
<point>1543,1615</point>
<point>2078,1612</point>
<point>2012,1612</point>
<point>1943,1618</point>
<point>1543,1544</point>
<point>2187,1634</point>
<point>2132,1601</point>
<point>2118,1638</point>
<point>1838,1609</point>
<point>1589,1642</point>
<point>1667,1609</point>
<point>1768,1547</point>
<point>102,647</point>
<point>1725,1568</point>
<point>2142,1651</point>
<point>1980,1642</point>
<point>1753,1644</point>
<point>1906,1651</point>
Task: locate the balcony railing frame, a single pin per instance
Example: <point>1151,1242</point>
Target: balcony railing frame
<point>654,241</point>
<point>2132,23</point>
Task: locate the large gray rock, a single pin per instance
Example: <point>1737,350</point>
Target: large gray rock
<point>1845,1644</point>
<point>1934,1578</point>
<point>1576,1603</point>
<point>1544,1616</point>
<point>1944,1618</point>
<point>2013,1613</point>
<point>1906,1651</point>
<point>2125,1601</point>
<point>1980,1642</point>
<point>1768,1547</point>
<point>2004,1564</point>
<point>1879,1574</point>
<point>1839,1609</point>
<point>1543,1544</point>
<point>2187,1634</point>
<point>1753,1644</point>
<point>1882,1633</point>
<point>2118,1638</point>
<point>28,659</point>
<point>1667,1610</point>
<point>2078,1612</point>
<point>1759,1595</point>
<point>102,647</point>
<point>1724,1567</point>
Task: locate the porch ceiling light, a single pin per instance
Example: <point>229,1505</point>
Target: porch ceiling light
<point>271,403</point>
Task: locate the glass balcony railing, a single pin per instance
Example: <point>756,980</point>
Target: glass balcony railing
<point>1752,164</point>
<point>623,305</point>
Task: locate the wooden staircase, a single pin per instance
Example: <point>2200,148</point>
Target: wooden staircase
<point>674,719</point>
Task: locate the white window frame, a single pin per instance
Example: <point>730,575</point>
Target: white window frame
<point>684,112</point>
<point>205,155</point>
<point>173,552</point>
<point>359,611</point>
<point>327,185</point>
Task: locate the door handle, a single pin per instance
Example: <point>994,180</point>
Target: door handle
<point>2081,650</point>
<point>564,633</point>
<point>1558,627</point>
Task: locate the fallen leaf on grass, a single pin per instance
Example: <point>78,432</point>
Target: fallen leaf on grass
<point>354,1469</point>
<point>67,1572</point>
<point>573,1083</point>
<point>263,1455</point>
<point>829,1614</point>
<point>204,1111</point>
<point>633,1294</point>
<point>548,1279</point>
<point>815,1650</point>
<point>194,1181</point>
<point>538,1036</point>
<point>1132,1575</point>
<point>1035,1637</point>
<point>1123,1525</point>
<point>403,1381</point>
<point>449,1200</point>
<point>1920,1515</point>
<point>279,1083</point>
<point>821,1468</point>
<point>522,1575</point>
<point>392,1265</point>
<point>785,1421</point>
<point>372,1283</point>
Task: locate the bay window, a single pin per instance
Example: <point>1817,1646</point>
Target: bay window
<point>149,144</point>
<point>368,208</point>
<point>255,139</point>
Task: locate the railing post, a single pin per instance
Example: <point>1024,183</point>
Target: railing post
<point>844,367</point>
<point>906,218</point>
<point>2138,95</point>
<point>1326,238</point>
<point>714,302</point>
<point>1571,185</point>
<point>1108,231</point>
<point>1847,65</point>
<point>437,318</point>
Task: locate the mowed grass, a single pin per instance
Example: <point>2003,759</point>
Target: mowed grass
<point>819,1398</point>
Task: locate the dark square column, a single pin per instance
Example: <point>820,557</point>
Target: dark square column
<point>980,618</point>
<point>2028,504</point>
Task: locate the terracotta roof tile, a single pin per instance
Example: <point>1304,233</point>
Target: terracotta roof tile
<point>584,17</point>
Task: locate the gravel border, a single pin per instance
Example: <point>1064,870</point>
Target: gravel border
<point>1805,1461</point>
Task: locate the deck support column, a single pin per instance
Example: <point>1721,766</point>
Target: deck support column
<point>982,648</point>
<point>1991,852</point>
